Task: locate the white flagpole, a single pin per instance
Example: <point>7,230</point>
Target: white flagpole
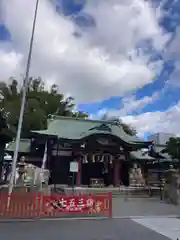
<point>25,86</point>
<point>43,164</point>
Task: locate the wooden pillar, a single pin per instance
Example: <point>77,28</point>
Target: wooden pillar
<point>78,174</point>
<point>116,172</point>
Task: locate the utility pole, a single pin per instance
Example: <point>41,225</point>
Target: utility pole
<point>23,101</point>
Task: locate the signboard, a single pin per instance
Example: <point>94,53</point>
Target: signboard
<point>30,205</point>
<point>74,166</point>
<point>77,204</point>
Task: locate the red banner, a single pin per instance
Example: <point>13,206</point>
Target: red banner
<point>92,204</point>
<point>32,205</point>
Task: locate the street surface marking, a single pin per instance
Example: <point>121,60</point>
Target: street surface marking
<point>168,227</point>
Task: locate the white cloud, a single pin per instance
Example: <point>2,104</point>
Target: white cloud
<point>174,52</point>
<point>146,122</point>
<point>9,63</point>
<point>101,63</point>
<point>131,104</point>
<point>153,122</point>
<point>122,24</point>
<point>128,105</point>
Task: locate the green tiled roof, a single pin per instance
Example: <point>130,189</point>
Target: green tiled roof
<point>73,128</point>
<point>24,146</point>
<point>140,156</point>
<point>159,149</point>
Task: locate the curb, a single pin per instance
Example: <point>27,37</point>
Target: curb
<point>86,218</point>
<point>52,219</point>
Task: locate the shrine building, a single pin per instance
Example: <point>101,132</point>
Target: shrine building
<point>101,148</point>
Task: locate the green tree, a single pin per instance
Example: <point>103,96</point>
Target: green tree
<point>128,129</point>
<point>40,103</point>
<point>173,148</point>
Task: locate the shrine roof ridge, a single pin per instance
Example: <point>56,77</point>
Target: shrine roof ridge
<point>56,117</point>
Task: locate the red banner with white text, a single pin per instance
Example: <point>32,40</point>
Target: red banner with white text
<point>88,204</point>
<point>37,205</point>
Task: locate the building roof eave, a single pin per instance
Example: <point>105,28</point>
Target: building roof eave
<point>75,129</point>
<point>84,135</point>
<point>43,133</point>
<point>140,156</point>
<point>24,146</point>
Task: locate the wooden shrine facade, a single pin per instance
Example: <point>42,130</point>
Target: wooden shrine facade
<point>101,158</point>
<point>101,149</point>
<point>100,162</point>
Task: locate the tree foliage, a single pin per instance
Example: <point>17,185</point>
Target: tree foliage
<point>40,103</point>
<point>126,127</point>
<point>173,148</point>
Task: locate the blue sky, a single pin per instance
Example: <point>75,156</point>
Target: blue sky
<point>155,99</point>
<point>169,95</point>
<point>170,23</point>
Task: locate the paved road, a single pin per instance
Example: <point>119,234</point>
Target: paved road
<point>169,227</point>
<point>109,229</point>
<point>143,207</point>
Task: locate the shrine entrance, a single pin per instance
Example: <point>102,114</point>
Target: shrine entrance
<point>90,171</point>
<point>100,160</point>
<point>99,166</point>
<point>97,173</point>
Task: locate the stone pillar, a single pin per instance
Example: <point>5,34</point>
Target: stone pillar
<point>78,174</point>
<point>116,172</point>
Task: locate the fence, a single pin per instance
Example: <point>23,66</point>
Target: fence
<point>36,205</point>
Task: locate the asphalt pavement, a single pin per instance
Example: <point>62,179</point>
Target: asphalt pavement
<point>123,207</point>
<point>107,229</point>
<point>132,219</point>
